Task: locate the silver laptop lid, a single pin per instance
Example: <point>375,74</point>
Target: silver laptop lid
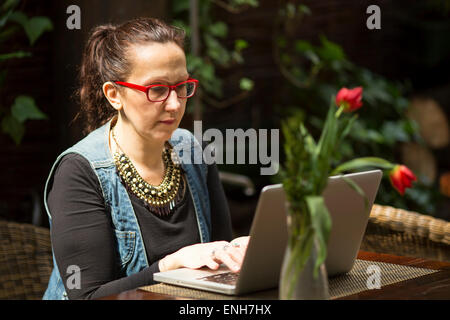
<point>262,264</point>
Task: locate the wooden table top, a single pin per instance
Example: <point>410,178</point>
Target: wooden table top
<point>432,286</point>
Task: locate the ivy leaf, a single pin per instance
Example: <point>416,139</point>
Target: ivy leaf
<point>216,51</point>
<point>24,108</point>
<point>218,29</point>
<point>10,4</point>
<point>193,63</point>
<point>19,17</point>
<point>34,27</point>
<point>330,51</point>
<point>246,84</point>
<point>12,127</point>
<point>12,55</point>
<point>240,45</point>
<point>394,131</point>
<point>4,18</point>
<point>302,46</point>
<point>237,57</point>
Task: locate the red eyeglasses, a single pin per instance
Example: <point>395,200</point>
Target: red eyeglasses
<point>160,92</point>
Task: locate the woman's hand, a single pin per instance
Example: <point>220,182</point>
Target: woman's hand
<point>210,254</point>
<point>241,244</point>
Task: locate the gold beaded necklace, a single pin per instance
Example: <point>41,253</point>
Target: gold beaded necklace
<point>162,198</point>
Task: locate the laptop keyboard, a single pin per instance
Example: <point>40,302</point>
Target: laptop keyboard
<point>224,278</point>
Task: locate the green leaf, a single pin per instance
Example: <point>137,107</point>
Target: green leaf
<point>180,24</point>
<point>180,6</point>
<point>13,55</point>
<point>328,137</point>
<point>205,72</point>
<point>330,51</point>
<point>193,62</point>
<point>312,56</point>
<point>310,144</point>
<point>321,223</point>
<point>240,45</point>
<point>290,10</point>
<point>246,84</point>
<point>302,46</point>
<point>24,108</point>
<point>10,4</point>
<point>237,57</point>
<point>216,51</point>
<point>253,3</point>
<point>218,29</point>
<point>304,9</point>
<point>12,127</point>
<point>19,17</point>
<point>364,162</point>
<point>5,17</point>
<point>394,131</point>
<point>375,136</point>
<point>36,26</point>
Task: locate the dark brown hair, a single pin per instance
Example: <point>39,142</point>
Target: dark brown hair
<point>105,59</point>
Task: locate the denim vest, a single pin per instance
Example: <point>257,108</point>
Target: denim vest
<point>129,243</point>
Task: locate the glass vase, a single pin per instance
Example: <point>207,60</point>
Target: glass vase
<point>301,284</point>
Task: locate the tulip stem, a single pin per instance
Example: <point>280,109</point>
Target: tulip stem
<point>339,111</point>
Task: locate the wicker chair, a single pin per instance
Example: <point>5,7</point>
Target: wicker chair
<point>25,260</point>
<point>406,233</point>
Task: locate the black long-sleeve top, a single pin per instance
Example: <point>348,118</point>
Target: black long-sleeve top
<point>82,231</point>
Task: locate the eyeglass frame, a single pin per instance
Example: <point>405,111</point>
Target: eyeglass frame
<point>147,88</point>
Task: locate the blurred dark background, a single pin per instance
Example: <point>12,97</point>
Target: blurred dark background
<point>411,49</point>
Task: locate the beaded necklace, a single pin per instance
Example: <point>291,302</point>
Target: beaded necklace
<point>162,198</point>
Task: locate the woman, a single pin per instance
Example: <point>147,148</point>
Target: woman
<point>123,202</point>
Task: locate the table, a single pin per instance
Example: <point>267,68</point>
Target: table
<point>431,286</point>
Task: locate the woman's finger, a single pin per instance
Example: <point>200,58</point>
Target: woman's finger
<point>213,265</point>
<point>227,259</point>
<point>235,254</point>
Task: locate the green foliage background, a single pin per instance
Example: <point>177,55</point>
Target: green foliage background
<point>313,72</point>
<point>13,21</point>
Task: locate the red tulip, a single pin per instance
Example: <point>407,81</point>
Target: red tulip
<point>349,99</point>
<point>401,178</point>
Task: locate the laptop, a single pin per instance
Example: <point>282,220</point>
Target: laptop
<point>261,266</point>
